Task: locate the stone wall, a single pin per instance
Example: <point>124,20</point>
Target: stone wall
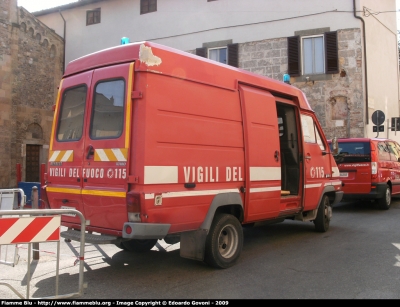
<point>31,59</point>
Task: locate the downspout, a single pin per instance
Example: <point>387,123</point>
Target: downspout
<point>365,62</point>
<point>65,39</point>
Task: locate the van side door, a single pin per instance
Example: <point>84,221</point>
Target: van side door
<point>395,171</point>
<point>317,162</point>
<point>262,156</point>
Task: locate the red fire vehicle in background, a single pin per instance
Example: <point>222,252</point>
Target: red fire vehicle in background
<point>153,143</point>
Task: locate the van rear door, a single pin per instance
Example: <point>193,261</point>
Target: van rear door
<point>88,164</point>
<point>354,163</point>
<point>64,168</point>
<point>106,147</point>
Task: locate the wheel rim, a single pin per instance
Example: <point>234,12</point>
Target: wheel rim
<point>228,241</point>
<point>388,196</point>
<point>328,213</point>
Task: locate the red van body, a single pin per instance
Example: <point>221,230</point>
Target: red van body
<point>369,169</point>
<point>151,143</point>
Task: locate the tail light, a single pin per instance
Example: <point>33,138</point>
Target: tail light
<point>374,164</point>
<point>374,169</point>
<point>133,207</point>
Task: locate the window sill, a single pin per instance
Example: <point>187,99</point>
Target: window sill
<point>319,77</point>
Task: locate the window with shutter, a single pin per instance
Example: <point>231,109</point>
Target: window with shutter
<point>148,6</point>
<point>233,55</point>
<point>201,52</point>
<point>294,56</point>
<point>220,51</point>
<point>314,54</point>
<point>331,53</point>
<point>93,16</point>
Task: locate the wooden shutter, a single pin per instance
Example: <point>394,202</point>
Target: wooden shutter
<point>233,55</point>
<point>331,53</point>
<point>294,56</point>
<point>201,52</point>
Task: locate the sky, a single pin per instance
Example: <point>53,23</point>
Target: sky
<point>38,5</point>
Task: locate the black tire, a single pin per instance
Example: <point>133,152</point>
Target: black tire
<point>384,202</point>
<point>324,215</point>
<point>120,245</point>
<point>224,241</point>
<point>139,246</point>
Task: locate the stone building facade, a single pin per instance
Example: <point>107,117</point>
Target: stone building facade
<point>31,61</point>
<point>336,99</point>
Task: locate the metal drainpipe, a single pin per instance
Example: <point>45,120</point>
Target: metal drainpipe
<point>365,62</point>
<point>65,39</point>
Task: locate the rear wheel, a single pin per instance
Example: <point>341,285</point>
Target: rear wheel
<point>224,241</point>
<point>139,246</point>
<point>324,215</point>
<point>120,245</point>
<point>384,202</point>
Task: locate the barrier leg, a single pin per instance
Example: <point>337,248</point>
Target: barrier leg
<point>35,206</point>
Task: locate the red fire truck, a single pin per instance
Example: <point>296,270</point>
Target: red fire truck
<point>154,143</point>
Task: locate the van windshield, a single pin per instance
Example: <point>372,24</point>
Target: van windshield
<point>353,152</point>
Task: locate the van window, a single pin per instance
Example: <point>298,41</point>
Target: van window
<point>310,131</point>
<point>108,110</point>
<point>394,151</point>
<point>383,151</point>
<point>70,123</point>
<point>353,152</point>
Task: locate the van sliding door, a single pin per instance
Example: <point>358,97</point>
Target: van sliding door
<point>262,154</point>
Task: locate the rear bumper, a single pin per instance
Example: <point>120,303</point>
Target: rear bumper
<point>145,231</point>
<point>375,193</point>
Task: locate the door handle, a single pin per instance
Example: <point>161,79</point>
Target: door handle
<point>307,157</point>
<point>90,152</point>
<point>276,155</point>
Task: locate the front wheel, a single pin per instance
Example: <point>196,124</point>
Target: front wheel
<point>324,215</point>
<point>139,246</point>
<point>224,241</point>
<point>384,202</point>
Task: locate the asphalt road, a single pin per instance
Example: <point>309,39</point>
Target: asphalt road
<point>358,258</point>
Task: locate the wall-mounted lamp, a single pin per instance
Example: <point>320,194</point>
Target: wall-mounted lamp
<point>308,80</point>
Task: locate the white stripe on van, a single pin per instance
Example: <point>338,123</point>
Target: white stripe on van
<point>118,154</point>
<point>335,171</point>
<point>258,173</point>
<point>102,155</point>
<point>66,156</point>
<point>54,155</point>
<point>315,185</point>
<point>208,192</point>
<point>160,174</point>
<point>169,174</point>
<point>191,193</point>
<point>269,189</point>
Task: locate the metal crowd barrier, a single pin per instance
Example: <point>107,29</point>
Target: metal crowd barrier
<point>45,225</point>
<point>9,201</point>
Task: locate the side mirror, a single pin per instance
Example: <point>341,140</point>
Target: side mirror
<point>335,146</point>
